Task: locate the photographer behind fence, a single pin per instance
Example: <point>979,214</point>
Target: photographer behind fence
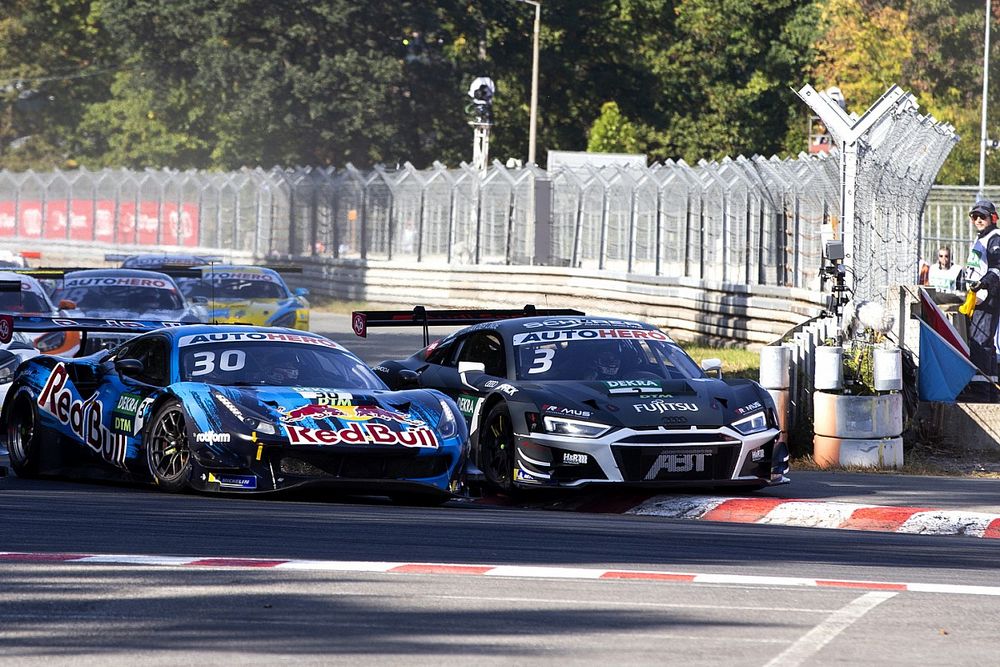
<point>982,304</point>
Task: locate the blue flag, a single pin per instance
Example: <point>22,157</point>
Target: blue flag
<point>944,371</point>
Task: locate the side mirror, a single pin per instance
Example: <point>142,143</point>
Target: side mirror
<point>129,367</point>
<point>66,304</point>
<point>409,379</point>
<point>471,367</point>
<point>199,300</point>
<point>712,367</point>
<point>301,291</point>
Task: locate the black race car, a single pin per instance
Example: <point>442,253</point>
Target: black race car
<point>568,401</point>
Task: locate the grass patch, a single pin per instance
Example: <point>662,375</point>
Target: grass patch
<point>922,460</point>
<point>736,362</point>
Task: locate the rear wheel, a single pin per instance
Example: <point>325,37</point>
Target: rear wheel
<point>168,452</point>
<point>23,436</point>
<point>496,449</point>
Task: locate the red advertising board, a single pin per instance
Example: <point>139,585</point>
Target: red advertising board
<point>151,223</point>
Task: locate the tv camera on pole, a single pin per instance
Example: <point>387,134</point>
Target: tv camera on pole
<point>481,90</point>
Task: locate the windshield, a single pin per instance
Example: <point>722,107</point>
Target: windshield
<point>25,302</point>
<point>275,363</point>
<point>134,294</point>
<point>248,286</point>
<point>566,355</point>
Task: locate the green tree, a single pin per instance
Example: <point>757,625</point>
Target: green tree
<point>612,132</point>
<point>55,60</point>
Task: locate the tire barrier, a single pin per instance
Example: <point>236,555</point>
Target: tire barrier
<point>861,431</point>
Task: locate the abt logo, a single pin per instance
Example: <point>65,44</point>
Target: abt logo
<point>692,462</point>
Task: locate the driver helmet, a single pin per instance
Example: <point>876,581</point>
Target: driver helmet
<point>282,371</point>
<point>608,363</point>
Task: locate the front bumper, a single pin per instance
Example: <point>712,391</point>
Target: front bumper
<point>273,467</point>
<point>659,457</point>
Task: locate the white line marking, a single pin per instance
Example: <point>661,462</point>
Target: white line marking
<point>810,643</point>
<point>612,603</point>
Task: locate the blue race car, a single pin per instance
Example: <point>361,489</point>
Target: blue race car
<point>228,408</point>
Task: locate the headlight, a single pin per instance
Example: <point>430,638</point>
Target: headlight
<point>50,341</point>
<point>447,427</point>
<point>286,320</point>
<point>576,428</point>
<point>752,423</point>
<point>252,423</point>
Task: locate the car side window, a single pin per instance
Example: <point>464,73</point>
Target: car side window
<point>153,353</point>
<point>485,348</point>
<point>442,353</point>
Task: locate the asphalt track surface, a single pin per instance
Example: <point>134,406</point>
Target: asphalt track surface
<point>118,613</point>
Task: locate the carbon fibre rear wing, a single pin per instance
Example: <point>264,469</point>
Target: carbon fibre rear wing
<point>34,323</point>
<point>362,320</point>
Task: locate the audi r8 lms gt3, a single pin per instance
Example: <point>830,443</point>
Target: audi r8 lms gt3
<point>573,401</point>
<point>125,294</point>
<point>230,408</point>
<point>250,295</point>
<point>23,295</point>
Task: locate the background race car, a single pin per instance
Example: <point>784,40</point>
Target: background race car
<point>249,295</point>
<point>124,294</point>
<point>24,295</point>
<point>230,408</point>
<point>573,401</point>
<point>161,261</point>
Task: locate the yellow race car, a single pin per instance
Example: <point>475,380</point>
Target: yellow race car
<point>248,295</point>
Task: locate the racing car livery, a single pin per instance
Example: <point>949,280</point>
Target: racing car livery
<point>160,261</point>
<point>124,294</point>
<point>249,295</point>
<point>229,408</point>
<point>573,401</point>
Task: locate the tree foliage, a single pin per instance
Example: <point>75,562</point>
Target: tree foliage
<point>229,83</point>
<point>612,132</point>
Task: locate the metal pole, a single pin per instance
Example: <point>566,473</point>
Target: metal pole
<point>534,83</point>
<point>986,83</point>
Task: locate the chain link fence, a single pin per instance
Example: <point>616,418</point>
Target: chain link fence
<point>754,221</point>
<point>898,160</point>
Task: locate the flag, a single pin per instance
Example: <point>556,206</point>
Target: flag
<point>939,322</point>
<point>944,371</point>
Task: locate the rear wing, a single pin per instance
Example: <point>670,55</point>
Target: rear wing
<point>362,320</point>
<point>33,323</point>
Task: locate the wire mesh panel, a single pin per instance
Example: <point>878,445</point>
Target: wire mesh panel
<point>676,194</point>
<point>567,211</point>
<point>898,159</point>
<point>434,232</point>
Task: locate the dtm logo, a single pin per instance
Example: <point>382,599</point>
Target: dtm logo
<point>674,463</point>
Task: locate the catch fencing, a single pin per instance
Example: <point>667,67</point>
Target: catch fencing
<point>751,221</point>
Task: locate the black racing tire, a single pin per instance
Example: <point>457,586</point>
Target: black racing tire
<point>168,451</point>
<point>23,435</point>
<point>496,449</point>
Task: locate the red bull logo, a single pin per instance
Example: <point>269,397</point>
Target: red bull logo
<point>355,413</point>
<point>311,411</point>
<point>376,412</point>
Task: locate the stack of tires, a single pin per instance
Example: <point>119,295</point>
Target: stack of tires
<point>852,430</point>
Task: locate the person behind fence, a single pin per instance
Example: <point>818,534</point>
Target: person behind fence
<point>943,274</point>
<point>982,278</point>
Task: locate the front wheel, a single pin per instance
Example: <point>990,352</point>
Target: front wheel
<point>496,449</point>
<point>168,453</point>
<point>23,436</point>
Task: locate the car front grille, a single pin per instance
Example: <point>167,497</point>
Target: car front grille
<point>676,463</point>
<point>355,466</point>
